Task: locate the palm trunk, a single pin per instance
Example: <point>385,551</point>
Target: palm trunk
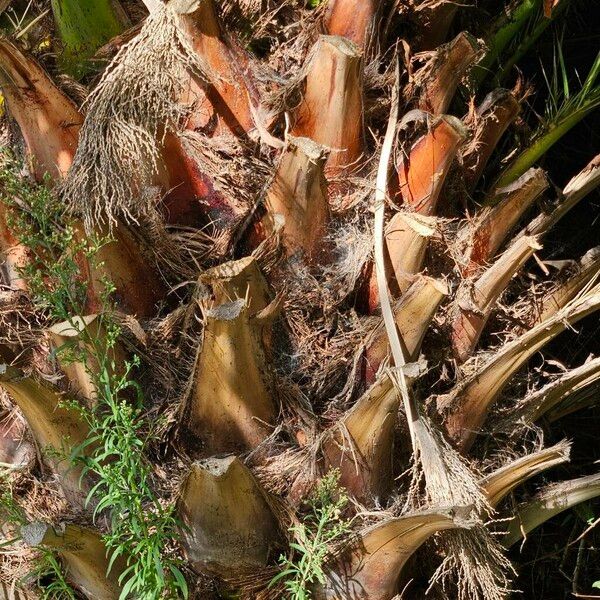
<point>219,129</point>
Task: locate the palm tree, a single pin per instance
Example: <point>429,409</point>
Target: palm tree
<point>274,286</point>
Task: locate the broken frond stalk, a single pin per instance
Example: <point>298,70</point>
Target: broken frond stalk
<point>422,175</point>
<point>578,188</point>
<point>54,425</point>
<point>548,503</point>
<point>352,19</point>
<point>423,171</point>
<point>482,238</point>
<point>48,120</point>
<point>229,91</point>
<point>538,404</point>
<point>475,300</point>
<point>298,194</point>
<point>467,407</point>
<point>585,397</point>
<point>80,371</point>
<point>412,314</point>
<point>332,114</point>
<point>85,556</point>
<point>361,444</point>
<point>232,405</point>
<point>228,527</point>
<point>433,21</point>
<point>557,298</point>
<point>494,115</point>
<point>445,71</point>
<point>139,288</point>
<point>370,568</point>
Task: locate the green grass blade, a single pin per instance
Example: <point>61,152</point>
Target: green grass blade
<point>564,110</point>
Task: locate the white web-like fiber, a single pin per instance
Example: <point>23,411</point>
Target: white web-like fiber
<point>128,114</point>
<point>474,565</point>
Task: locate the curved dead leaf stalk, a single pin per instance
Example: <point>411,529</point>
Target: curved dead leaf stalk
<point>538,404</point>
<point>476,299</point>
<point>467,406</point>
<point>370,567</point>
<point>550,502</point>
<point>472,560</point>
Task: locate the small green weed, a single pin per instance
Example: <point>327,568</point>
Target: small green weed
<point>322,526</point>
<point>48,571</point>
<point>50,578</point>
<point>141,527</point>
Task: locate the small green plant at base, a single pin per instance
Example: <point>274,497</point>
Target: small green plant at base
<point>50,578</point>
<point>141,528</point>
<point>48,572</point>
<point>322,526</point>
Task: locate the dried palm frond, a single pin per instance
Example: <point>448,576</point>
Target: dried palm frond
<point>539,403</point>
<point>371,566</point>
